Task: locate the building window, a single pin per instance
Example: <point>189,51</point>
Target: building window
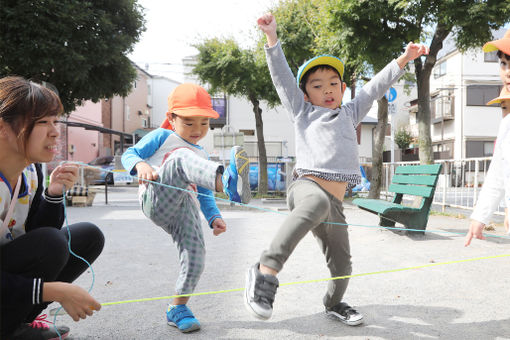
<point>488,149</point>
<point>479,95</point>
<point>144,123</point>
<point>491,57</point>
<point>479,148</point>
<point>442,106</point>
<point>440,70</point>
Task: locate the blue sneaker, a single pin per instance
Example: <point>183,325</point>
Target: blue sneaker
<point>180,316</point>
<point>239,168</point>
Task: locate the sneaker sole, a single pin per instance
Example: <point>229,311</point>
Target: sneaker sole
<point>193,328</point>
<point>335,316</point>
<point>240,157</point>
<point>62,336</point>
<point>247,303</point>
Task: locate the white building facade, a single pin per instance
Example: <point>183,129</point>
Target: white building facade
<point>160,89</point>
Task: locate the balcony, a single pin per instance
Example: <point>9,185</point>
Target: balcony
<point>442,108</point>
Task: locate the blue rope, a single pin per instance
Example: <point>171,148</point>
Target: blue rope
<point>286,214</point>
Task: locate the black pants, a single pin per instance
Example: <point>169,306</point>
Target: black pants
<point>44,253</point>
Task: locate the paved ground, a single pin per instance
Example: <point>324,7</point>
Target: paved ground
<point>456,301</point>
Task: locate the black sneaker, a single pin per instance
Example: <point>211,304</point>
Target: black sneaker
<point>260,292</point>
<point>345,313</point>
<point>37,330</point>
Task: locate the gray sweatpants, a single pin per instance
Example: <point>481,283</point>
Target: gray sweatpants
<point>310,207</point>
<point>177,212</point>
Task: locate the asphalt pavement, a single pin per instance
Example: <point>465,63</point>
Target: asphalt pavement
<point>443,300</point>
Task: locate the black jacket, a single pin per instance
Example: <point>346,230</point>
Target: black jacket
<point>17,289</point>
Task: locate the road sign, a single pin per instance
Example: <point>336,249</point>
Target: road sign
<point>391,95</point>
<point>392,108</point>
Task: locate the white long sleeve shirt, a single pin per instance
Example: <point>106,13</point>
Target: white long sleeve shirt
<point>497,181</point>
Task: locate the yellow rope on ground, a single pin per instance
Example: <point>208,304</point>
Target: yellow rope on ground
<point>313,281</point>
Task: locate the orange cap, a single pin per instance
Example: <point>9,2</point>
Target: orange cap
<point>502,44</point>
<point>504,95</point>
<point>191,100</point>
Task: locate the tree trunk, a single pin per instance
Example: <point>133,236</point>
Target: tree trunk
<point>378,148</point>
<point>423,72</point>
<point>262,188</point>
<point>423,117</point>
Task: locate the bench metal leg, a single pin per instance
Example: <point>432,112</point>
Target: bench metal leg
<point>416,222</point>
<point>384,222</point>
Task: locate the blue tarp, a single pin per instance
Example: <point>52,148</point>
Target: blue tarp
<point>364,185</point>
<point>275,176</point>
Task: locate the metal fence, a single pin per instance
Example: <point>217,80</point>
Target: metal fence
<point>459,183</point>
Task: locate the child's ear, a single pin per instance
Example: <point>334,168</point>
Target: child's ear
<point>306,97</point>
<point>167,123</point>
<point>344,86</point>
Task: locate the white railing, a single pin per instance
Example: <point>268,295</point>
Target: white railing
<point>459,183</point>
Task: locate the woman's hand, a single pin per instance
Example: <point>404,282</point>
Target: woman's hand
<point>62,178</point>
<point>75,300</point>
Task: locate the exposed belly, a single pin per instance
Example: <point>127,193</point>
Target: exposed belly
<point>336,189</point>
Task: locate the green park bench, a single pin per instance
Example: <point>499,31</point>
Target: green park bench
<point>415,180</point>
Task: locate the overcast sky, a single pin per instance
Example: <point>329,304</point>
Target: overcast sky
<point>173,26</point>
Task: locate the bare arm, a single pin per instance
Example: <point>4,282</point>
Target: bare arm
<point>412,52</point>
<point>267,23</point>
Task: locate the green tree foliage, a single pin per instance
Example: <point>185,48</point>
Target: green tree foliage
<point>403,139</point>
<point>303,36</point>
<point>78,46</point>
<point>227,68</point>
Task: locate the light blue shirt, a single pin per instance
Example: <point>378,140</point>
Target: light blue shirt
<point>152,149</point>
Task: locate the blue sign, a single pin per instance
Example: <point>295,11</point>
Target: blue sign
<point>391,95</point>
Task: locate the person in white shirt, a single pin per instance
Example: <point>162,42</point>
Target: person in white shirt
<point>497,181</point>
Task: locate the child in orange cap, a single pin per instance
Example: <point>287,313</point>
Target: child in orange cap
<point>173,157</point>
<point>497,181</point>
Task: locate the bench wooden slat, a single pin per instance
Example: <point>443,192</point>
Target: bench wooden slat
<point>411,190</point>
<point>412,179</point>
<point>429,169</point>
<point>380,206</point>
